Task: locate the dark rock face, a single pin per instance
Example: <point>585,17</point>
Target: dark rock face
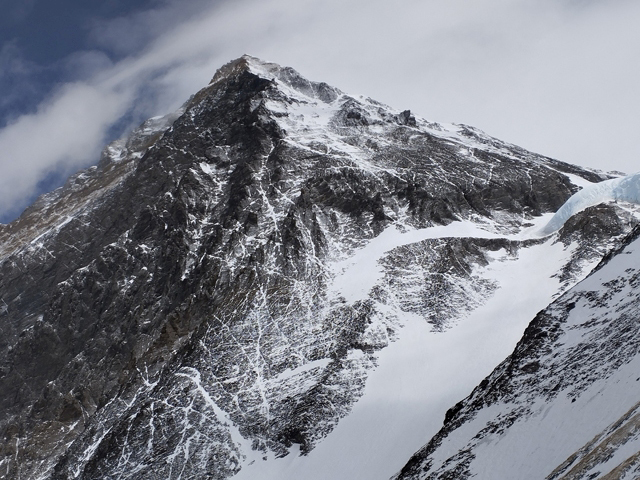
<point>168,312</point>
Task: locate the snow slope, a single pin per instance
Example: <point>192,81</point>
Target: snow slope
<point>412,387</point>
<point>564,404</point>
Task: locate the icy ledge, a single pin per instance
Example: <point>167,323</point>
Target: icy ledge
<point>624,189</point>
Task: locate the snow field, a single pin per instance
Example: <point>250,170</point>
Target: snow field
<point>422,373</point>
<point>536,444</point>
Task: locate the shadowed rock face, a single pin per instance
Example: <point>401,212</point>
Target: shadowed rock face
<point>167,313</point>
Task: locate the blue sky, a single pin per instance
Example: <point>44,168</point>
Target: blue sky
<point>38,40</point>
<point>45,45</point>
<point>41,46</point>
<point>558,77</point>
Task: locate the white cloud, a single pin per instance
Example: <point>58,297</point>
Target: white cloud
<point>555,77</point>
<point>65,133</point>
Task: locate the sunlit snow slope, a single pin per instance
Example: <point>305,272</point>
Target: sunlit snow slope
<point>424,371</point>
<point>564,404</point>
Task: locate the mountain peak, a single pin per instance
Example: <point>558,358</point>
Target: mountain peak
<point>278,74</point>
<point>242,64</point>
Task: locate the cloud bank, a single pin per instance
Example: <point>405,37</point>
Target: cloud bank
<point>557,77</point>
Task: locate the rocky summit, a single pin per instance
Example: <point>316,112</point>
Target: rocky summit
<point>283,281</point>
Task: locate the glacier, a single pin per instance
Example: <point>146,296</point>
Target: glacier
<point>624,189</point>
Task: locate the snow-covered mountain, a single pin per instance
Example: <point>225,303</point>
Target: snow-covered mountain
<point>284,281</point>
